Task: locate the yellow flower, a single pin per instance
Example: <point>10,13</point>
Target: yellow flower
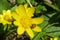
<point>25,22</point>
<point>51,38</point>
<point>55,38</point>
<point>6,17</point>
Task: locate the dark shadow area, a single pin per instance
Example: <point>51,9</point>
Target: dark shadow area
<point>55,19</point>
<point>23,37</point>
<point>49,9</point>
<point>2,33</point>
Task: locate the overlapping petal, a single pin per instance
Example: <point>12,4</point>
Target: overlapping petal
<point>38,20</point>
<point>8,12</point>
<point>37,29</point>
<point>21,10</point>
<point>17,23</point>
<point>20,30</point>
<point>30,11</point>
<point>30,32</point>
<point>15,16</point>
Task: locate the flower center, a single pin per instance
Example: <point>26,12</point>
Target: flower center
<point>8,18</point>
<point>26,22</point>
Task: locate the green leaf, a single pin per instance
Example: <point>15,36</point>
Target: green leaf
<point>40,8</point>
<point>43,25</point>
<point>52,6</point>
<point>53,31</point>
<point>57,2</point>
<point>13,9</point>
<point>51,14</point>
<point>4,5</point>
<point>1,29</point>
<point>33,2</point>
<point>37,37</point>
<point>20,1</point>
<point>46,18</point>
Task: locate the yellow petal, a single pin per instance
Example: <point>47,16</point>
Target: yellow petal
<point>38,20</point>
<point>26,6</point>
<point>21,10</point>
<point>30,32</point>
<point>17,23</point>
<point>1,16</point>
<point>51,38</point>
<point>4,22</point>
<point>20,30</point>
<point>0,21</point>
<point>55,38</point>
<point>37,29</point>
<point>30,11</point>
<point>6,12</point>
<point>15,16</point>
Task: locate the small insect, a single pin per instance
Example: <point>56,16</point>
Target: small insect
<point>33,25</point>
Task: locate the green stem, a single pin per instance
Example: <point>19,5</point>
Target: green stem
<point>28,1</point>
